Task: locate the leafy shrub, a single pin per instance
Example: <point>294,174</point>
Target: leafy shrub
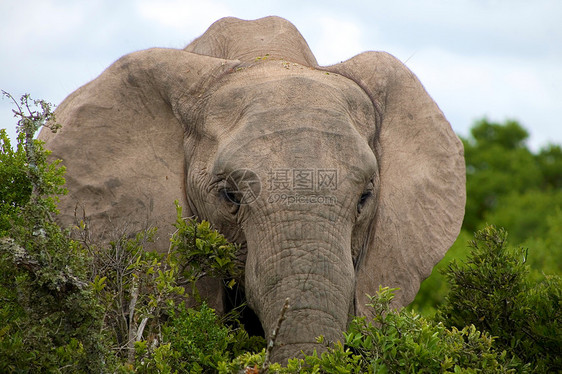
<point>137,288</point>
<point>195,341</point>
<point>493,292</point>
<point>404,342</point>
<point>201,251</point>
<point>51,320</point>
<point>24,172</point>
<point>144,297</point>
<point>16,174</point>
<point>15,187</point>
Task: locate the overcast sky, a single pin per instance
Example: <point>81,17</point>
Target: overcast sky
<point>500,59</point>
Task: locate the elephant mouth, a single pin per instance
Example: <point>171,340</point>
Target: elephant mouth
<point>235,302</point>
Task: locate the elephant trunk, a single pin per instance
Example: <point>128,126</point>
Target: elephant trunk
<point>309,262</point>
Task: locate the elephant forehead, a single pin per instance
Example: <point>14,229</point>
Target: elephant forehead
<point>272,96</point>
<point>312,138</point>
<point>299,151</point>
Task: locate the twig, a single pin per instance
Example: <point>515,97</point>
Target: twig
<point>271,343</point>
<point>132,328</point>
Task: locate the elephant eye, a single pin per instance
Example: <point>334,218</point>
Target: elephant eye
<point>368,192</point>
<point>363,199</point>
<point>230,196</point>
<point>232,199</point>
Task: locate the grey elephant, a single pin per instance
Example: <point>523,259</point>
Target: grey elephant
<point>334,180</point>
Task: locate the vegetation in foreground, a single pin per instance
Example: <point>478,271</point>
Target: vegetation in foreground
<point>71,306</point>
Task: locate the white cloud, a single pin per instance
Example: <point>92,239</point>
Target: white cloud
<point>469,87</point>
<point>185,16</point>
<point>38,25</point>
<point>475,57</point>
<point>337,40</point>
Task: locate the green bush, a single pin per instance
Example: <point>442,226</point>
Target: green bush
<point>15,187</point>
<point>404,342</point>
<point>193,341</point>
<point>137,288</point>
<point>16,175</point>
<point>201,251</point>
<point>144,298</point>
<point>492,291</point>
<point>495,319</point>
<point>50,317</point>
<point>198,337</point>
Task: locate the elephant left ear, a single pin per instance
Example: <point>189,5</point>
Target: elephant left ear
<point>124,139</point>
<point>422,179</point>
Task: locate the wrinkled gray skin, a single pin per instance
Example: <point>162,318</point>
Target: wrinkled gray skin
<point>165,124</point>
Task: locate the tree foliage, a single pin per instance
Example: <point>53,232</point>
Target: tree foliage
<point>16,176</point>
<point>203,252</point>
<point>51,320</point>
<point>500,169</point>
<point>15,188</point>
<point>512,187</point>
<point>492,291</point>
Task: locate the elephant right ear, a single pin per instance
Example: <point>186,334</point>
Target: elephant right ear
<point>122,139</point>
<point>422,179</point>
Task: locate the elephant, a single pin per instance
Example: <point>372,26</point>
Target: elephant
<point>334,180</point>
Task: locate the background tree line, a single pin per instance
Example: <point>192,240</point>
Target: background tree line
<point>70,305</point>
<point>510,186</point>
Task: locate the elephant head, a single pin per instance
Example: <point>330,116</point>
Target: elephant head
<point>334,180</point>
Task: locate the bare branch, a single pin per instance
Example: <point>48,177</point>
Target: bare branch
<point>271,343</point>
